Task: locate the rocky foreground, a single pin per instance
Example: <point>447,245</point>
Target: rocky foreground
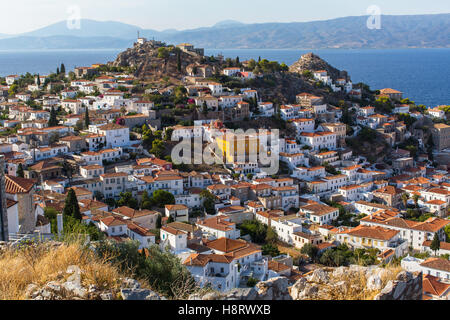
<point>343,283</point>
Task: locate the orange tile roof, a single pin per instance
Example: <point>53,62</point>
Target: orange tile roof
<point>379,233</point>
<point>17,185</point>
<point>433,286</point>
<point>437,263</point>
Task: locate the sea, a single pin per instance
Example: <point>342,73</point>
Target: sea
<point>423,75</point>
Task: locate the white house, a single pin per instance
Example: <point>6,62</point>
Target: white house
<point>116,135</point>
<point>219,227</point>
<point>173,238</point>
<point>319,140</point>
<point>113,226</point>
<point>320,214</point>
<point>179,212</point>
<point>286,226</point>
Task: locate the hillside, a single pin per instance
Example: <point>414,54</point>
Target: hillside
<point>405,31</point>
<point>153,64</point>
<point>312,62</point>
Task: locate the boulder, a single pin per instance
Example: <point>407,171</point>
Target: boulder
<point>319,276</point>
<point>297,288</point>
<point>139,294</point>
<point>273,289</point>
<point>128,283</point>
<point>374,282</point>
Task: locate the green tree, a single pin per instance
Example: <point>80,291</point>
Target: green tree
<point>163,53</point>
<point>158,147</point>
<point>310,250</point>
<point>147,202</point>
<point>13,89</point>
<point>435,244</point>
<point>168,135</point>
<point>71,206</point>
<point>87,121</point>
<point>162,198</point>
<point>209,201</point>
<point>127,200</point>
<point>20,172</point>
<point>159,221</point>
<point>179,61</point>
<point>252,282</point>
<point>447,233</point>
<point>271,235</point>
<point>405,198</point>
<point>416,198</point>
<point>63,68</point>
<point>38,80</point>
<point>52,121</point>
<point>51,214</point>
<point>270,249</point>
<point>256,230</point>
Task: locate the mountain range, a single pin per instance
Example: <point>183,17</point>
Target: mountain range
<point>404,31</point>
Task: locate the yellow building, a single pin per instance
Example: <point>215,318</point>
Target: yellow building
<point>238,147</point>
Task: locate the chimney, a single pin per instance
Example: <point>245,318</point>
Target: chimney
<point>59,221</point>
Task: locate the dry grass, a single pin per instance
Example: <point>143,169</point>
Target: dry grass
<point>40,265</point>
<point>355,285</point>
<point>285,249</point>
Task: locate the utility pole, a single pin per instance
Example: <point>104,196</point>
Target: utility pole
<point>4,236</point>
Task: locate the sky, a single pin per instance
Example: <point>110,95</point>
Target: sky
<point>28,15</point>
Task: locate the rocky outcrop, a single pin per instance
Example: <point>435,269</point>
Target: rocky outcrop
<point>344,283</point>
<point>312,62</point>
<point>144,58</point>
<point>273,289</point>
<point>405,287</point>
<point>72,289</point>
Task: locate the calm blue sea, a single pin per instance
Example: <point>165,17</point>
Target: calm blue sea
<point>422,74</point>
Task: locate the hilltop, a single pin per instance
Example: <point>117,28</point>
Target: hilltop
<point>156,61</point>
<point>312,62</point>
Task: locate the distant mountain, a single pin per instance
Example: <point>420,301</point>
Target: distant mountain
<point>88,28</point>
<point>228,23</point>
<point>429,31</point>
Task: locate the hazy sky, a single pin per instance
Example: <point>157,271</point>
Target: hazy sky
<point>28,15</point>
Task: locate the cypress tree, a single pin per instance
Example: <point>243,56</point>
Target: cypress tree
<point>87,121</point>
<point>205,108</point>
<point>57,70</point>
<point>179,61</point>
<point>63,68</point>
<point>435,244</point>
<point>159,221</point>
<point>38,81</point>
<point>52,122</point>
<point>20,172</point>
<point>71,207</point>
